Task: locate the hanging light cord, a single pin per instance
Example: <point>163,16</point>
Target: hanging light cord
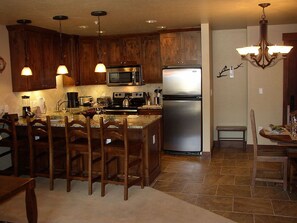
<point>98,42</point>
<point>61,51</point>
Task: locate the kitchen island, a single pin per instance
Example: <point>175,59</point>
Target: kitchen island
<point>146,128</point>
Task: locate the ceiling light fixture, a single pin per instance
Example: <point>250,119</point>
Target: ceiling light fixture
<point>62,69</point>
<point>26,71</point>
<point>264,54</point>
<point>100,67</point>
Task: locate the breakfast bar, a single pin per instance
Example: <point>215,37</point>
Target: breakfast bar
<point>146,128</point>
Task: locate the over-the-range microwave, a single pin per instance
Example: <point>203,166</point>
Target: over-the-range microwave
<point>124,75</point>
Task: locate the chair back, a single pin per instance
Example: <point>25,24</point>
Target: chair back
<point>254,132</point>
<point>39,131</point>
<point>114,131</point>
<point>78,132</point>
<point>8,133</point>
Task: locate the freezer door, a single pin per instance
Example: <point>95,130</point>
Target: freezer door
<point>182,125</point>
<point>182,81</point>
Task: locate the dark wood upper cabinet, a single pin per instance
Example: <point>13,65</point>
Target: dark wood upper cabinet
<point>70,59</point>
<point>42,57</point>
<point>180,48</point>
<point>123,50</point>
<point>88,59</point>
<point>151,64</point>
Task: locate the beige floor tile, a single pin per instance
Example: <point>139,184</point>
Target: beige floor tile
<point>167,186</point>
<point>215,203</point>
<point>219,179</point>
<point>233,190</point>
<point>276,193</point>
<point>274,219</point>
<point>198,188</point>
<point>253,205</point>
<point>237,217</point>
<point>285,208</point>
<point>238,171</point>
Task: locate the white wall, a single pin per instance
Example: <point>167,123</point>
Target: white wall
<point>230,94</point>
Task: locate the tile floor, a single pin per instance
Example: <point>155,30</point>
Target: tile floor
<point>222,185</point>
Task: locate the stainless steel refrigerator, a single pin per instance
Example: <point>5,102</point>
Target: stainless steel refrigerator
<point>182,112</point>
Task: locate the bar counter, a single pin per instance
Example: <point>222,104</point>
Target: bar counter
<point>146,128</point>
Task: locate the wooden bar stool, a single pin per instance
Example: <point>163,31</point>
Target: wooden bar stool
<point>9,145</point>
<point>44,150</point>
<point>80,146</point>
<point>115,145</point>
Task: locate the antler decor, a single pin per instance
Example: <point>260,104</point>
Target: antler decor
<point>226,69</point>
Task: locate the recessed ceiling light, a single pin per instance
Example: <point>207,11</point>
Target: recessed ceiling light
<point>82,27</point>
<point>151,21</point>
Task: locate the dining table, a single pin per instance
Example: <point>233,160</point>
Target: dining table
<point>283,138</point>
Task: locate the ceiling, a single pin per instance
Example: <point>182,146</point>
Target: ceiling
<point>129,16</point>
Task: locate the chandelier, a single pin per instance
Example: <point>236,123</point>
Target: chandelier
<point>264,54</point>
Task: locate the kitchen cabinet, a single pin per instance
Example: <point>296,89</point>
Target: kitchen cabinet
<point>88,59</point>
<point>151,64</point>
<point>42,57</point>
<point>124,50</point>
<point>70,59</point>
<point>181,48</point>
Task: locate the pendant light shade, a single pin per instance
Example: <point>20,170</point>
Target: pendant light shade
<point>26,71</point>
<point>62,69</point>
<point>100,67</point>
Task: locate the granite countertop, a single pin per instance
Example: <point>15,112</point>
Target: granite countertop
<point>150,107</point>
<point>134,121</point>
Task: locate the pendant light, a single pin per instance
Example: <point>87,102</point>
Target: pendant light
<point>26,71</point>
<point>264,54</point>
<point>100,67</point>
<point>62,69</point>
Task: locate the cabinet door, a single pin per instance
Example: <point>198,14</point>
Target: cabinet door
<point>114,47</point>
<point>70,57</point>
<point>191,47</point>
<point>50,61</point>
<point>131,50</point>
<point>17,59</point>
<point>151,66</point>
<point>170,48</point>
<point>87,61</point>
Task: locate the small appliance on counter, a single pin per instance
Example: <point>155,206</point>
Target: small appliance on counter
<point>85,100</point>
<point>72,98</point>
<point>104,101</point>
<point>157,98</point>
<point>26,109</point>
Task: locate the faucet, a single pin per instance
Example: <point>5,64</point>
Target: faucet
<point>59,103</point>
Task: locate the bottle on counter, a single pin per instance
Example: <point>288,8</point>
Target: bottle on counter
<point>148,98</point>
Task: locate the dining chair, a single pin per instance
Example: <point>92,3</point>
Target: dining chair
<point>81,147</point>
<point>9,145</point>
<point>45,150</point>
<point>116,146</point>
<point>274,155</point>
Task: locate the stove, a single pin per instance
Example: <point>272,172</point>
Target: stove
<point>136,100</point>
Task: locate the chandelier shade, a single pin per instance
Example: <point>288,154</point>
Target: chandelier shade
<point>264,54</point>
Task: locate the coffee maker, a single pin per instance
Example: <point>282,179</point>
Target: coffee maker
<point>72,98</point>
<point>26,109</point>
